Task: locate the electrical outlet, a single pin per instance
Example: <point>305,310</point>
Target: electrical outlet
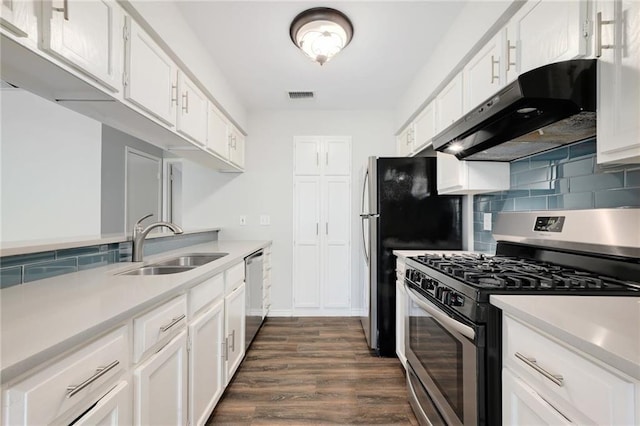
<point>265,220</point>
<point>243,220</point>
<point>487,222</point>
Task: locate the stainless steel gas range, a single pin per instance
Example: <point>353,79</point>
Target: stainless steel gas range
<point>453,337</point>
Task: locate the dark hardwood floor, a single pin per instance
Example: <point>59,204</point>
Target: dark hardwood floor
<point>314,371</point>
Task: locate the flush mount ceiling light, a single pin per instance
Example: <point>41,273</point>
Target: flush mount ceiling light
<point>321,32</point>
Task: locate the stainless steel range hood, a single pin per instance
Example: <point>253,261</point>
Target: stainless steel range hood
<point>544,108</point>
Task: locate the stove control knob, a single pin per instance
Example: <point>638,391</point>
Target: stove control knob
<point>429,284</point>
<point>439,291</point>
<point>455,300</point>
<point>446,296</point>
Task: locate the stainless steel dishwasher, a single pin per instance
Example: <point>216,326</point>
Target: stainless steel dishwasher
<point>254,277</point>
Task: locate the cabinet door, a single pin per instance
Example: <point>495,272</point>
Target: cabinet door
<point>160,394</point>
<point>336,279</point>
<point>306,240</point>
<point>619,82</point>
<point>424,128</point>
<point>522,406</point>
<point>404,142</point>
<point>234,328</point>
<point>306,153</point>
<point>337,156</point>
<point>15,16</point>
<point>482,75</point>
<point>113,409</point>
<point>150,75</point>
<point>449,104</point>
<point>448,171</point>
<point>550,31</point>
<point>192,110</point>
<point>86,35</point>
<point>206,363</point>
<point>236,147</point>
<point>401,308</point>
<point>217,132</point>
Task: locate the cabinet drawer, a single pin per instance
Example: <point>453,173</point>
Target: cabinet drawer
<point>205,293</point>
<point>601,396</point>
<point>44,397</point>
<point>157,326</point>
<point>234,276</point>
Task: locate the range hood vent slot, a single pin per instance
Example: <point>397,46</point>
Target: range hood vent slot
<point>301,95</point>
<point>544,108</point>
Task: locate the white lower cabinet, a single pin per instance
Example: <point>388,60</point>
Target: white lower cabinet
<point>206,362</point>
<point>401,309</point>
<point>234,328</point>
<point>549,382</point>
<point>160,396</point>
<point>113,409</point>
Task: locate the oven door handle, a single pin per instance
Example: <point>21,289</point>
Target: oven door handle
<point>441,317</point>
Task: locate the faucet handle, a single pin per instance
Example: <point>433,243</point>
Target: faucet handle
<point>138,226</point>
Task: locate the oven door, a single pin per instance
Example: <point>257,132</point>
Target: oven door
<point>443,354</point>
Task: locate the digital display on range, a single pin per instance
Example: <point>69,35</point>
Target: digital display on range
<point>549,223</point>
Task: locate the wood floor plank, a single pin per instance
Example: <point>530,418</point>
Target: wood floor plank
<point>314,370</point>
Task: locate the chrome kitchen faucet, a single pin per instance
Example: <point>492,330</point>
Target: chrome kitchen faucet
<point>140,233</point>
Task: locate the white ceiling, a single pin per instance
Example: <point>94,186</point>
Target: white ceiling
<point>249,41</point>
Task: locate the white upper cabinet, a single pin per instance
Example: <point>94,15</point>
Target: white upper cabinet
<point>550,31</point>
<point>316,155</point>
<point>192,110</point>
<point>483,75</point>
<point>449,104</point>
<point>404,141</point>
<point>86,35</point>
<point>618,49</point>
<point>217,132</point>
<point>150,75</point>
<point>18,17</point>
<point>424,127</point>
<point>236,146</point>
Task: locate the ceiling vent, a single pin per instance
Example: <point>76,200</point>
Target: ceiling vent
<point>301,95</point>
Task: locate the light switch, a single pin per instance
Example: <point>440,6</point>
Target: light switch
<point>265,220</point>
<point>487,222</point>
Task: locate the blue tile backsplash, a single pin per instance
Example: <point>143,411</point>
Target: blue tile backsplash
<point>20,269</point>
<point>566,178</point>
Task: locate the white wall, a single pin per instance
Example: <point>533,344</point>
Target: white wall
<point>218,199</point>
<point>44,194</point>
<point>470,26</point>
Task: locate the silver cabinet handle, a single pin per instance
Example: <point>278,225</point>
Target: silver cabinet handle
<point>493,66</point>
<point>226,349</point>
<point>509,48</point>
<point>173,322</point>
<point>317,227</point>
<point>531,362</point>
<point>317,158</point>
<point>64,9</point>
<point>174,98</point>
<point>326,159</point>
<point>326,228</point>
<point>598,35</point>
<point>185,102</point>
<point>233,340</point>
<point>100,371</point>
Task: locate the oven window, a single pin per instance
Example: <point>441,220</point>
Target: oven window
<point>441,355</point>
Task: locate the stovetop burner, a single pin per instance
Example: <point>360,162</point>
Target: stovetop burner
<point>512,273</point>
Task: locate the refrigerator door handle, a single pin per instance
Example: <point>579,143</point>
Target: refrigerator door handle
<point>364,216</point>
<point>369,215</point>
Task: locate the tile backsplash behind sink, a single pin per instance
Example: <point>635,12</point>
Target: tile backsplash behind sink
<point>566,178</point>
<point>25,268</point>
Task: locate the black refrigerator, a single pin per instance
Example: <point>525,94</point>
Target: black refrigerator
<point>401,210</point>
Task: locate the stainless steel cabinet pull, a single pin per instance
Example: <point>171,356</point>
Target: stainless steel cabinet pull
<point>509,48</point>
<point>233,340</point>
<point>493,66</point>
<point>185,102</point>
<point>226,349</point>
<point>64,9</point>
<point>100,371</point>
<point>174,98</point>
<point>598,35</point>
<point>531,362</point>
<point>326,154</point>
<point>173,322</point>
<point>317,227</point>
<point>326,228</point>
<point>317,158</point>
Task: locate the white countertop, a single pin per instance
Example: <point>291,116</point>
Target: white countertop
<point>42,319</point>
<point>605,327</point>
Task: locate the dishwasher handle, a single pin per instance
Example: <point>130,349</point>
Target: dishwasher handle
<point>253,257</point>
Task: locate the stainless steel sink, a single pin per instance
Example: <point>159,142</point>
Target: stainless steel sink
<point>158,270</point>
<point>192,259</point>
